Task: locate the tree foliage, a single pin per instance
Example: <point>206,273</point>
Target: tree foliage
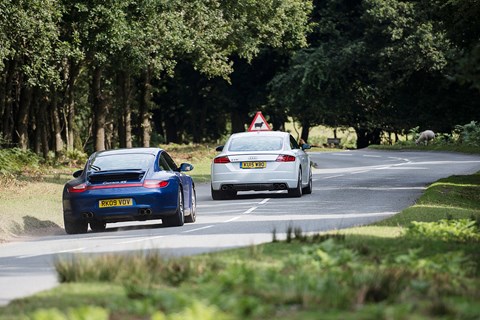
<point>102,74</point>
<point>91,68</point>
<point>378,66</point>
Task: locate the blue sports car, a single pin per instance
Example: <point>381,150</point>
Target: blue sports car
<point>135,184</point>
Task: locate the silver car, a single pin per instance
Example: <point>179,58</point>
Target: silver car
<point>258,161</point>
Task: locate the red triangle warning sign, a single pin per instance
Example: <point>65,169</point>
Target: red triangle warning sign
<point>259,123</point>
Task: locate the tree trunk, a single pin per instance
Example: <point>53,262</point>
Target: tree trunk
<point>238,124</point>
<point>57,126</point>
<point>7,118</point>
<point>196,121</point>
<point>35,123</point>
<point>125,123</point>
<point>375,136</point>
<point>305,131</point>
<point>145,114</point>
<point>99,108</point>
<point>278,121</point>
<point>362,138</point>
<point>70,129</point>
<point>366,137</point>
<point>22,117</point>
<point>171,130</point>
<point>3,83</point>
<point>42,127</point>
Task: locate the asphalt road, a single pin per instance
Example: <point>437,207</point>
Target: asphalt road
<point>350,188</point>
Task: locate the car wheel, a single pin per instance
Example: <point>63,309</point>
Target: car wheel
<point>308,189</point>
<point>178,219</point>
<point>297,192</point>
<point>98,226</point>
<point>223,195</point>
<point>74,226</point>
<point>193,210</point>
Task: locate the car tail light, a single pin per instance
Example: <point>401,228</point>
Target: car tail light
<point>155,184</point>
<point>285,158</point>
<point>221,160</point>
<point>78,188</point>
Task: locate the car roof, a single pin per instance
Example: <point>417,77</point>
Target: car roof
<point>261,133</point>
<point>152,151</point>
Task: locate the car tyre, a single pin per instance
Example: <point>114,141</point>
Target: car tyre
<point>74,226</point>
<point>297,192</point>
<point>98,226</point>
<point>193,211</point>
<point>308,189</point>
<point>178,219</point>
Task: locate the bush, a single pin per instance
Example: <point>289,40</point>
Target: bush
<point>461,230</point>
<point>15,160</point>
<point>469,133</point>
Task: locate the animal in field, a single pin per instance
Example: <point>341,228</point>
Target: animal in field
<point>425,137</point>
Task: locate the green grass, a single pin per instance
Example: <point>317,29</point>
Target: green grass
<point>31,206</point>
<point>456,197</point>
<point>382,271</point>
<point>431,147</point>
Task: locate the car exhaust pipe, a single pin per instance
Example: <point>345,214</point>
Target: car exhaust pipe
<point>225,187</point>
<point>88,215</point>
<point>145,212</point>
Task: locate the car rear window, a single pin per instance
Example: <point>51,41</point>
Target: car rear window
<point>125,161</point>
<point>256,144</point>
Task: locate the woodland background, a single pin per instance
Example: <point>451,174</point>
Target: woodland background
<point>93,75</point>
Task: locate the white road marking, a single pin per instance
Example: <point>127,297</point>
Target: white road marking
<point>225,204</point>
<point>197,229</point>
<point>250,210</point>
<point>371,156</point>
<point>331,177</point>
<point>48,253</point>
<point>371,188</point>
<point>140,240</point>
<point>264,201</point>
<point>233,219</point>
<point>403,168</point>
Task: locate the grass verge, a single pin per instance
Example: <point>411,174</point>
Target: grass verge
<point>30,205</point>
<point>420,264</point>
<point>431,147</point>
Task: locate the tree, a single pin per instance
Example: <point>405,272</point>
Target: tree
<point>30,36</point>
<point>366,58</point>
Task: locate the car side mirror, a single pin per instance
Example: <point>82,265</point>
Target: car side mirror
<point>306,146</point>
<point>77,173</point>
<point>219,148</point>
<point>185,167</point>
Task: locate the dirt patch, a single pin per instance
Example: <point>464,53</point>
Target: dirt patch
<point>31,228</point>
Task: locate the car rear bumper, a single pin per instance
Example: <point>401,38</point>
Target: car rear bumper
<point>146,204</point>
<point>254,181</point>
<point>254,186</point>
